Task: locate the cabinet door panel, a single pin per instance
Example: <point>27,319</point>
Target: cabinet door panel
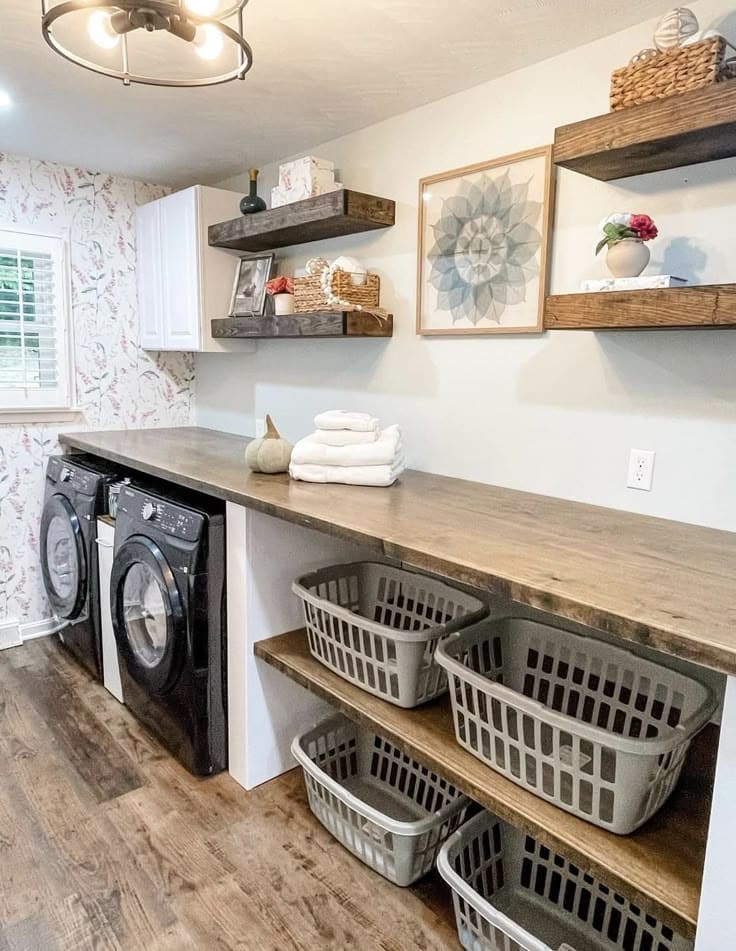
<point>148,273</point>
<point>180,270</point>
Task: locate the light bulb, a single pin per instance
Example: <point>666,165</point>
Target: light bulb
<point>208,41</point>
<point>201,8</point>
<point>99,27</point>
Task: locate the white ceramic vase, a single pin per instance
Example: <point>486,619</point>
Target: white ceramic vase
<point>627,257</point>
<point>283,304</point>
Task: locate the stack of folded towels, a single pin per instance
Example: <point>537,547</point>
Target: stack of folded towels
<point>349,448</point>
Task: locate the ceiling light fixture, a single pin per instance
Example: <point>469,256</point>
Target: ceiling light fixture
<point>198,23</point>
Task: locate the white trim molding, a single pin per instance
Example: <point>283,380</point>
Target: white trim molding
<point>15,633</point>
<point>35,416</point>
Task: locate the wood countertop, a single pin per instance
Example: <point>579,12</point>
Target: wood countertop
<point>661,583</point>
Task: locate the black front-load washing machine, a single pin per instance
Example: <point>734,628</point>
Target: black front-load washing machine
<point>75,494</point>
<point>168,607</point>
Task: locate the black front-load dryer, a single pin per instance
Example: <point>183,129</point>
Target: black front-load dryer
<point>167,598</point>
<point>75,494</point>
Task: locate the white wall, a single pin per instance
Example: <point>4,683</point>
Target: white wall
<point>557,413</point>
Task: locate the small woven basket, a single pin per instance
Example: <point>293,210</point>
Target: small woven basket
<point>657,75</point>
<point>308,295</point>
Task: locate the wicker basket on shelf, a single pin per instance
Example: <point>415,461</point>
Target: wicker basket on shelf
<point>656,75</point>
<point>309,297</point>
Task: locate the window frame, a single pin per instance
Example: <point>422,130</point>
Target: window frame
<point>20,404</point>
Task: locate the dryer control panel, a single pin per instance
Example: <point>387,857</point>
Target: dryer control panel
<point>169,517</point>
<point>64,471</point>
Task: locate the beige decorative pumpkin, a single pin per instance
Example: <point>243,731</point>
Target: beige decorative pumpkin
<point>271,453</point>
<point>676,28</point>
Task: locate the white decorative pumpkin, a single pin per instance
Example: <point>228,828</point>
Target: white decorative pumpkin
<point>676,28</point>
<point>358,273</point>
<point>271,453</point>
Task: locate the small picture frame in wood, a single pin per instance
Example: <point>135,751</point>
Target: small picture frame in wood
<point>249,289</point>
<point>483,246</point>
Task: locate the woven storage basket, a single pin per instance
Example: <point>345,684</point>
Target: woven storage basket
<point>513,893</point>
<point>587,725</point>
<point>308,295</point>
<point>657,75</point>
<point>390,811</point>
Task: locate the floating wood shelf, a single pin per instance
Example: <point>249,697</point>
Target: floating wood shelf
<point>658,867</point>
<point>706,306</point>
<point>333,215</point>
<point>325,323</point>
<point>688,129</point>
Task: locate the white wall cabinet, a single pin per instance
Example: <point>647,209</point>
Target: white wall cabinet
<point>183,283</point>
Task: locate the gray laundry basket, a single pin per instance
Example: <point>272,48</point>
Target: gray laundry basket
<point>512,893</point>
<point>378,626</point>
<point>387,809</point>
<point>587,725</point>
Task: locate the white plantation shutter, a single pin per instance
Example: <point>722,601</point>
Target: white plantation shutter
<point>34,351</point>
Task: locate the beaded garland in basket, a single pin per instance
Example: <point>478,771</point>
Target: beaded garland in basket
<point>329,287</point>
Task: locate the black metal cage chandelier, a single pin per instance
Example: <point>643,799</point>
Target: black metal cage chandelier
<point>207,27</point>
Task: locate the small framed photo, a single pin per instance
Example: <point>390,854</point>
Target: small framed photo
<point>249,290</point>
<point>483,246</point>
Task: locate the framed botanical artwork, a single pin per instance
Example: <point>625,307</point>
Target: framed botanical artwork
<point>483,246</point>
<point>249,290</point>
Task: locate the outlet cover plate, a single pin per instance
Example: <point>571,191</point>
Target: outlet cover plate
<point>641,469</point>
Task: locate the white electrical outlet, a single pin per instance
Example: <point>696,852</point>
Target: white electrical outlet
<point>260,427</point>
<point>641,469</point>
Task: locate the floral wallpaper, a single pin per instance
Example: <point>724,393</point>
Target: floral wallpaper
<point>118,384</point>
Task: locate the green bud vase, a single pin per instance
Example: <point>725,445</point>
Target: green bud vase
<point>252,203</point>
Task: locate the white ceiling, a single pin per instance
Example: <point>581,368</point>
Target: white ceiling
<point>322,68</point>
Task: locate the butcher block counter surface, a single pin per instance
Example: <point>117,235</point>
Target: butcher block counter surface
<point>661,583</point>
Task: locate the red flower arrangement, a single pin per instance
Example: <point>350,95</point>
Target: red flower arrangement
<point>644,227</point>
<point>280,285</point>
<point>619,226</point>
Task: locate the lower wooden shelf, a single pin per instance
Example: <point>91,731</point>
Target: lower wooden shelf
<point>659,867</point>
<point>705,306</point>
<point>323,323</point>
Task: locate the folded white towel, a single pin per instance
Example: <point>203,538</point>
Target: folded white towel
<point>348,475</point>
<point>337,419</point>
<point>343,437</point>
<point>382,452</point>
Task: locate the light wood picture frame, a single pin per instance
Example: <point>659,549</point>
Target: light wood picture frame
<point>483,246</point>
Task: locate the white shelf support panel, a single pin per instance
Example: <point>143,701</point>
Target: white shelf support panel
<point>265,710</point>
<point>716,920</point>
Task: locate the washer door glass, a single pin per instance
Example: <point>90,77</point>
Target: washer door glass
<point>62,561</point>
<point>63,557</point>
<point>146,613</point>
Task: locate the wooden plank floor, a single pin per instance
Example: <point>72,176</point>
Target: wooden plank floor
<point>106,842</point>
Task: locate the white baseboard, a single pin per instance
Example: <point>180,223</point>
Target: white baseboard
<point>15,633</point>
<point>10,635</point>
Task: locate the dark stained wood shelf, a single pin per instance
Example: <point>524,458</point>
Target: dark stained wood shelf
<point>324,323</point>
<point>710,306</point>
<point>334,215</point>
<point>659,866</point>
<point>653,581</point>
<point>694,127</point>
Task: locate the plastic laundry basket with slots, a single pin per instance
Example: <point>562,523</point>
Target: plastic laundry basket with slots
<point>378,626</point>
<point>512,893</point>
<point>390,811</point>
<point>589,726</point>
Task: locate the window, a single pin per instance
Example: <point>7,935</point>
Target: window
<point>35,371</point>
